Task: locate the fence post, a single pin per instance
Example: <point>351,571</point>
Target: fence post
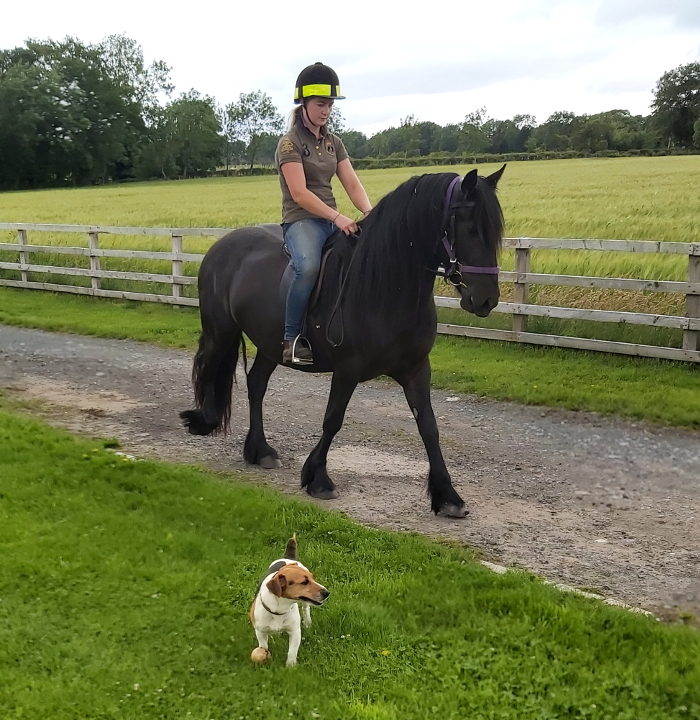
<point>94,243</point>
<point>692,301</point>
<point>23,254</point>
<point>177,265</point>
<point>520,288</point>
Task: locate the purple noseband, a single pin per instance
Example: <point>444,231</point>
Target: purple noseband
<point>456,268</point>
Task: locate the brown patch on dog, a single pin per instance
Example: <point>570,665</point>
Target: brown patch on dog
<point>274,585</point>
<point>252,612</point>
<point>298,584</point>
<point>277,583</point>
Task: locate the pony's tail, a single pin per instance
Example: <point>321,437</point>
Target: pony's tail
<point>213,375</point>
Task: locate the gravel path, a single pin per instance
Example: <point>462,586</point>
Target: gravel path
<point>582,499</point>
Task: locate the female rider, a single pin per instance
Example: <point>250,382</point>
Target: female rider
<point>307,157</point>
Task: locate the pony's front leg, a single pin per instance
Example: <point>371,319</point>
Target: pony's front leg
<point>314,476</point>
<point>443,497</point>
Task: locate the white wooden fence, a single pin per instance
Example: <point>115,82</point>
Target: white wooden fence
<point>520,309</point>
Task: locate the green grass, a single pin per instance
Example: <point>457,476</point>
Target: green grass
<point>125,586</point>
<point>657,390</point>
<point>169,326</point>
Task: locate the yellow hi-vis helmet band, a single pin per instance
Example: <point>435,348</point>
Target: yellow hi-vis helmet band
<point>325,91</point>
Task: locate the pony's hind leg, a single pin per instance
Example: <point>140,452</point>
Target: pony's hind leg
<point>443,497</point>
<point>314,476</point>
<point>256,451</point>
<point>212,377</point>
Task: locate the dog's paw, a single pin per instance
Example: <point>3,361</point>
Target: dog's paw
<point>307,622</point>
<point>291,662</point>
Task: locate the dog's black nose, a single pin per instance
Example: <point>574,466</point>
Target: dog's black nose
<point>324,593</point>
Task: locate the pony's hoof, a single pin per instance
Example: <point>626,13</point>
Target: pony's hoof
<point>322,493</point>
<point>270,463</point>
<point>195,423</point>
<point>454,511</point>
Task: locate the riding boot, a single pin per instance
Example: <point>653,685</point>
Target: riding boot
<point>297,353</point>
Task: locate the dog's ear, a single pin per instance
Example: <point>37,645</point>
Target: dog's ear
<point>277,584</point>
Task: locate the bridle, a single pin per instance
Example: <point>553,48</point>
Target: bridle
<point>453,268</point>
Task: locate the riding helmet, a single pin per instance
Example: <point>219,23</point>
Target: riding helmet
<point>317,80</point>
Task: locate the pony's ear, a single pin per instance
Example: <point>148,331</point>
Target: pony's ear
<point>469,182</point>
<point>277,584</point>
<point>492,180</point>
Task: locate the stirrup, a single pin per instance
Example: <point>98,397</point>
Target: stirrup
<point>295,360</point>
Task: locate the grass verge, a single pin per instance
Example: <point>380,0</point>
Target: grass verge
<point>166,325</point>
<point>657,390</point>
<point>125,586</point>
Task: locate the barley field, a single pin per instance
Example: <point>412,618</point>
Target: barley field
<point>621,198</point>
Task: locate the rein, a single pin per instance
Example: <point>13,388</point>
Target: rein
<point>454,272</point>
<point>336,308</point>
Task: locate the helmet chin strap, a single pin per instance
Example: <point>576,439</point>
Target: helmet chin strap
<point>308,119</point>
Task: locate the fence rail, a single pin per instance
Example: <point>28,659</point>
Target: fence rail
<point>521,309</point>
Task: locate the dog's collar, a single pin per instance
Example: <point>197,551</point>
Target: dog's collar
<point>272,612</point>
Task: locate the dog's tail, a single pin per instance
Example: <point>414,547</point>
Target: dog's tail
<point>291,552</point>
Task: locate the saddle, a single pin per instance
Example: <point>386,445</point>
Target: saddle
<point>327,250</point>
<point>336,315</point>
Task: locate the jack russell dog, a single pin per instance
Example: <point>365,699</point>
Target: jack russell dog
<point>276,606</point>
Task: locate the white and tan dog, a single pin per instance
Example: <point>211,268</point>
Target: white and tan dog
<point>276,606</point>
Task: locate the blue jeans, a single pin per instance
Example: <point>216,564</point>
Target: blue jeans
<point>304,240</point>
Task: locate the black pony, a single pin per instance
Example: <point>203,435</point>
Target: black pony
<point>374,314</point>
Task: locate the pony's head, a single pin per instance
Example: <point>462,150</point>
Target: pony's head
<point>473,238</point>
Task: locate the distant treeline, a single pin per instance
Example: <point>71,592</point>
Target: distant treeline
<point>78,114</point>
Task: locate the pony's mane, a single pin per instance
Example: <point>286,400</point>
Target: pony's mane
<point>398,239</point>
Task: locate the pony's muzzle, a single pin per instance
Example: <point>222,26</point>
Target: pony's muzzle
<point>479,306</point>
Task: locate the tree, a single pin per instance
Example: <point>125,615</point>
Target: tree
<point>355,143</point>
<point>74,113</point>
<point>378,145</point>
<point>138,83</point>
<point>87,129</point>
<point>233,148</point>
<point>429,136</point>
<point>472,138</point>
<point>448,138</point>
<point>627,131</point>
<point>594,133</point>
<point>28,116</point>
<point>157,158</point>
<point>409,134</point>
<point>252,118</point>
<point>192,130</point>
<point>676,103</point>
<point>336,121</point>
<point>555,134</point>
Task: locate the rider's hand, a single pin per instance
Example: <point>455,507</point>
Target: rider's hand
<point>346,224</point>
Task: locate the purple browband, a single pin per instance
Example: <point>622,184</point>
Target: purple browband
<point>480,270</point>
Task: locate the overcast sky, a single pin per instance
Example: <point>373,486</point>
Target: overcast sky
<point>435,60</point>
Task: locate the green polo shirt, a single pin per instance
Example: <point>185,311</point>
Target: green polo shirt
<point>319,157</point>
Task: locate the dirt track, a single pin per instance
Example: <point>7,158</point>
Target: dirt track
<point>579,498</point>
